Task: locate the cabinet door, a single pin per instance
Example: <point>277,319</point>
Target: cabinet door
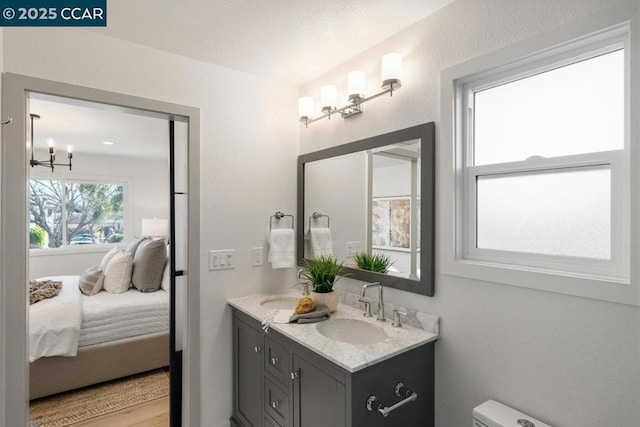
<point>248,374</point>
<point>318,399</point>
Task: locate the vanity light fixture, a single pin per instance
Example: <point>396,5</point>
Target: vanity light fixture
<point>52,154</point>
<point>391,72</point>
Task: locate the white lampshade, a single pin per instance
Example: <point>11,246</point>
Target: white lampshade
<point>305,107</point>
<point>328,97</point>
<point>154,227</point>
<point>356,84</point>
<point>391,70</point>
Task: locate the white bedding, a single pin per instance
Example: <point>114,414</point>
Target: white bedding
<point>59,325</point>
<point>110,317</point>
<point>54,323</point>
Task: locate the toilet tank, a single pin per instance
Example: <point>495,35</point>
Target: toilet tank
<point>495,414</point>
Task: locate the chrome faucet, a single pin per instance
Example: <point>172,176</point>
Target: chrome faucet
<point>305,285</point>
<point>366,286</point>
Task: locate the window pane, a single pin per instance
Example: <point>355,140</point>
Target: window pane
<point>45,214</point>
<point>564,213</point>
<point>94,213</point>
<point>574,109</point>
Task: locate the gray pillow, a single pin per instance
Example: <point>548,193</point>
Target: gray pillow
<point>132,247</point>
<point>148,265</point>
<point>91,281</point>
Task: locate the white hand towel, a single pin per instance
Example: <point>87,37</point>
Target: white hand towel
<point>282,248</point>
<point>321,242</point>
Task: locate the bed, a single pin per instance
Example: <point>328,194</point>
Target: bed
<point>77,340</point>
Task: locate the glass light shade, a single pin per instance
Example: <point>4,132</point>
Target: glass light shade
<point>328,97</point>
<point>356,84</point>
<point>154,227</point>
<point>305,107</point>
<point>391,70</point>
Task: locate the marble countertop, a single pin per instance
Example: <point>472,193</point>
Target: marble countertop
<point>352,357</point>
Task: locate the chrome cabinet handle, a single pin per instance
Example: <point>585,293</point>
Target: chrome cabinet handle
<point>257,349</point>
<point>274,361</point>
<point>294,375</point>
<point>275,404</point>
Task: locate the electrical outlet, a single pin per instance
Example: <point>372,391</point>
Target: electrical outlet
<point>353,248</point>
<point>221,260</point>
<point>257,257</point>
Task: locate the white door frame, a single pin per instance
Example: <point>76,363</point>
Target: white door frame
<point>14,372</point>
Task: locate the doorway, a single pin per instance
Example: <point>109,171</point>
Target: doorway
<point>184,247</point>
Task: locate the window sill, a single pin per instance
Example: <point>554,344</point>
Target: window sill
<point>72,250</point>
<point>587,286</point>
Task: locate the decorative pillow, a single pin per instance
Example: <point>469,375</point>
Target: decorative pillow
<point>91,281</point>
<point>107,258</point>
<point>166,277</point>
<point>148,265</point>
<point>133,245</point>
<point>117,276</point>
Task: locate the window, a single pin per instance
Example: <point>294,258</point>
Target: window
<point>72,213</point>
<point>543,167</point>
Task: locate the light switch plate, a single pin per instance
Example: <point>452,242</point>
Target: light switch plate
<point>222,259</point>
<point>257,256</point>
<point>353,248</point>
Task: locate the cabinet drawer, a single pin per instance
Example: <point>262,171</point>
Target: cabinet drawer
<point>269,422</point>
<point>276,360</point>
<point>276,403</point>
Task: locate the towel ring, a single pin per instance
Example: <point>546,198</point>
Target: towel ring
<point>318,215</point>
<point>278,216</point>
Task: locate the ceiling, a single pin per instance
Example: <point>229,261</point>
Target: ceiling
<point>293,41</point>
<point>85,126</point>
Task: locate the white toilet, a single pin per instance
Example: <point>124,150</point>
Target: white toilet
<point>495,414</point>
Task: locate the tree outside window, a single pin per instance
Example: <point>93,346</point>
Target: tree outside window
<point>75,213</point>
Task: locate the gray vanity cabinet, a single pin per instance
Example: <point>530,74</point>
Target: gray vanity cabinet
<point>248,348</point>
<point>320,399</point>
<point>280,383</point>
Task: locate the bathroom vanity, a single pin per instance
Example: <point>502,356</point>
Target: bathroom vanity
<point>295,376</point>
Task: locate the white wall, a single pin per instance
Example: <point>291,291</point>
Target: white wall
<point>147,197</point>
<point>2,374</point>
<point>249,146</point>
<point>567,360</point>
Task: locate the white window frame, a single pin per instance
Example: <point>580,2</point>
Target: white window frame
<point>90,179</point>
<point>615,280</point>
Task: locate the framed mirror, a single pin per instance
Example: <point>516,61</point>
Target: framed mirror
<point>372,197</point>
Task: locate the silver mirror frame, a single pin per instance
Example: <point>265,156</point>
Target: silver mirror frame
<point>426,134</point>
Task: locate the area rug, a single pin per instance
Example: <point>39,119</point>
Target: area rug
<point>79,405</point>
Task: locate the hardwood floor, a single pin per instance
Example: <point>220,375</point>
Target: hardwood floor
<point>150,414</point>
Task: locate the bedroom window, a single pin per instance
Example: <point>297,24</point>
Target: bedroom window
<point>72,213</point>
<point>542,176</point>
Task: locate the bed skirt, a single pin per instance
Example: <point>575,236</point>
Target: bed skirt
<point>98,363</point>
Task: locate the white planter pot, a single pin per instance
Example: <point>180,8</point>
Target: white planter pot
<point>329,299</point>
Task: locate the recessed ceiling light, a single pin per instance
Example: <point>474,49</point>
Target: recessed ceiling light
<point>108,142</point>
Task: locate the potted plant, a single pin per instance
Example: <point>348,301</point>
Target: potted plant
<point>322,273</point>
<point>378,263</point>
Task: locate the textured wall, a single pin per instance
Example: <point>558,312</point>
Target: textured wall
<point>249,145</point>
<point>566,360</point>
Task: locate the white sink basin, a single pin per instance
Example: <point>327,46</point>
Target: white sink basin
<point>351,331</point>
<point>288,303</point>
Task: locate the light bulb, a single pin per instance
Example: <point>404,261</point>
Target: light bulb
<point>328,98</point>
<point>305,108</point>
<point>391,71</point>
<point>356,84</point>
